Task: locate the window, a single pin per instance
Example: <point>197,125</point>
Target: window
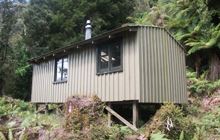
<point>109,58</point>
<point>61,69</point>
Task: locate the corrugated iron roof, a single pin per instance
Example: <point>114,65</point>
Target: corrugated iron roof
<point>93,40</point>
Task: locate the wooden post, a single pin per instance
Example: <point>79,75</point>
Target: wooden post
<point>135,113</point>
<point>46,108</point>
<point>121,118</point>
<point>109,116</point>
<point>36,107</point>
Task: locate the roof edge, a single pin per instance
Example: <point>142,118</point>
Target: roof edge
<point>107,34</point>
<point>79,44</point>
<point>169,33</point>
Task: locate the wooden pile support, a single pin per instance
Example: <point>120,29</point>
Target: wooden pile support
<point>135,116</point>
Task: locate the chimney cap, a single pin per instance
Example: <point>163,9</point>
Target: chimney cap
<point>88,24</point>
<point>88,21</point>
<point>88,30</point>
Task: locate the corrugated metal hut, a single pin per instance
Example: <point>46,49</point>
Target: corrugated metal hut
<point>131,63</point>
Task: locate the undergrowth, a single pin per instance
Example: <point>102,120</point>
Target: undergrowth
<point>191,121</point>
<point>200,86</point>
<point>20,121</point>
<point>87,121</point>
<point>171,121</point>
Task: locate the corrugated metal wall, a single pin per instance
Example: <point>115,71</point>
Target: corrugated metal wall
<point>82,78</point>
<point>162,67</point>
<point>153,72</point>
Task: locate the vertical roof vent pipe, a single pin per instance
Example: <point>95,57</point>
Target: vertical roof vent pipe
<point>88,30</point>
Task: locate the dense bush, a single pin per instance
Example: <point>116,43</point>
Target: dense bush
<point>19,120</point>
<point>158,136</point>
<point>211,121</point>
<point>81,112</point>
<point>85,119</point>
<point>10,106</point>
<point>169,113</point>
<point>200,85</point>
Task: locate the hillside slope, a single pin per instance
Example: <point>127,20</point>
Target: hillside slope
<point>197,120</point>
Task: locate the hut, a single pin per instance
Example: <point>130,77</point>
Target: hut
<point>132,63</point>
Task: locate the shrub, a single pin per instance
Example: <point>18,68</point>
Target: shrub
<point>99,132</point>
<point>158,136</point>
<point>10,106</point>
<point>210,121</point>
<point>200,85</point>
<point>118,132</point>
<point>81,112</point>
<point>170,112</point>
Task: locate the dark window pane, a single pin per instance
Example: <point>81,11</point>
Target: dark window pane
<point>115,55</point>
<point>104,58</point>
<point>59,69</point>
<point>65,68</point>
<point>109,57</point>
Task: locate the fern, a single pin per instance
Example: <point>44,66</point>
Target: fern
<point>189,21</point>
<point>181,135</point>
<point>201,85</point>
<point>2,136</point>
<point>10,135</point>
<point>158,136</point>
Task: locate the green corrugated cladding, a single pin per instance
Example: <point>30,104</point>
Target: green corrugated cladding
<point>153,72</point>
<point>162,67</point>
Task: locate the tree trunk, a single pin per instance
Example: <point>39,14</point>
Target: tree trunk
<point>1,87</point>
<point>197,65</point>
<point>214,67</point>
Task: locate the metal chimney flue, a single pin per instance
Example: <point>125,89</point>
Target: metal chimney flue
<point>88,30</point>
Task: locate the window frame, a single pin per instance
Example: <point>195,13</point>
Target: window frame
<point>110,68</point>
<point>55,70</point>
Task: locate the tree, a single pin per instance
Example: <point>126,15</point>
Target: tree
<point>14,68</point>
<point>30,29</point>
<point>55,23</point>
<point>191,22</point>
<point>7,20</point>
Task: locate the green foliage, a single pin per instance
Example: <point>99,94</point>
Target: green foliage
<point>19,120</point>
<point>118,132</point>
<point>200,85</point>
<point>192,109</point>
<point>200,133</point>
<point>158,136</point>
<point>8,106</point>
<point>102,132</point>
<point>10,135</point>
<point>2,136</point>
<point>84,114</point>
<point>181,135</point>
<point>30,29</point>
<point>99,132</point>
<point>179,120</point>
<point>189,21</point>
<point>54,23</point>
<point>7,20</point>
<point>23,135</point>
<point>88,121</point>
<point>210,121</point>
<point>14,70</point>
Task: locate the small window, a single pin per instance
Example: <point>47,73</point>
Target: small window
<point>109,57</point>
<point>61,69</point>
